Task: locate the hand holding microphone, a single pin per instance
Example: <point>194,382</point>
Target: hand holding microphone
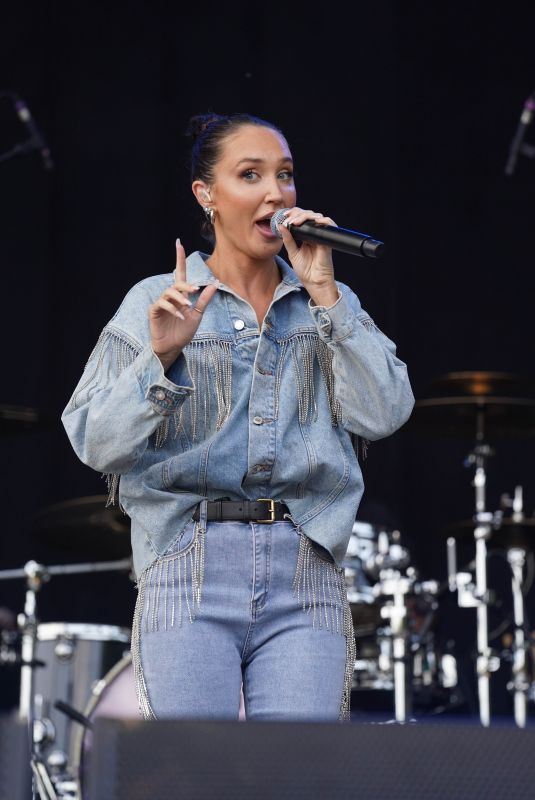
<point>313,264</point>
<point>316,232</point>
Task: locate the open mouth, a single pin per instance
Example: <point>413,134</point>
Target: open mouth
<point>264,225</point>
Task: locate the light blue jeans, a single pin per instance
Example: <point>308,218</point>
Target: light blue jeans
<point>235,603</point>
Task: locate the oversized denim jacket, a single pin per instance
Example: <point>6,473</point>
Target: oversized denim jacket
<point>243,413</point>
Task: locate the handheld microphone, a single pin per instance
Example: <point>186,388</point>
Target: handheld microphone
<point>36,140</point>
<point>346,241</point>
<point>516,145</point>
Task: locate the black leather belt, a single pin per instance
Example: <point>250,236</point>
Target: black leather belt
<point>261,510</point>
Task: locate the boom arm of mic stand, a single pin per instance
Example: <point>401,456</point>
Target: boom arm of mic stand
<point>18,150</point>
<point>528,150</point>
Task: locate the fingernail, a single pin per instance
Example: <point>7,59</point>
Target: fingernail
<point>188,302</point>
<point>194,288</point>
<point>177,242</point>
<point>180,315</point>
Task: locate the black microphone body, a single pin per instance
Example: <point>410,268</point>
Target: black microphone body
<point>516,145</point>
<point>342,239</point>
<point>36,140</point>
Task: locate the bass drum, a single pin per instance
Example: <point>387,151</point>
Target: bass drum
<point>113,696</point>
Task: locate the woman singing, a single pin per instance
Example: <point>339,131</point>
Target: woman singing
<point>224,402</point>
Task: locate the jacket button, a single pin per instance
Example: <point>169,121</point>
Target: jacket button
<point>239,324</point>
<point>160,394</point>
<point>258,420</point>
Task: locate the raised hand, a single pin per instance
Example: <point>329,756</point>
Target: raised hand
<point>173,318</point>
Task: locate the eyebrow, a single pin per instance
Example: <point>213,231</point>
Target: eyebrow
<point>261,160</point>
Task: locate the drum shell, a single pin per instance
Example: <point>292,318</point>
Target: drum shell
<point>76,655</point>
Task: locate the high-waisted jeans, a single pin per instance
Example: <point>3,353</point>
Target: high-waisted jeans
<point>239,603</point>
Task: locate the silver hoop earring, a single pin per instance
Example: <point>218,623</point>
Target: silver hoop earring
<point>209,214</point>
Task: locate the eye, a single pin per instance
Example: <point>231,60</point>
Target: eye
<point>249,175</point>
<point>286,175</point>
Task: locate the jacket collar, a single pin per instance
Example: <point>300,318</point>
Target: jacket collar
<point>199,273</point>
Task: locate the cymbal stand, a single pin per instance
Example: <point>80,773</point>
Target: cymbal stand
<point>36,575</point>
<point>516,556</point>
<point>470,595</point>
<point>481,535</point>
<point>393,584</point>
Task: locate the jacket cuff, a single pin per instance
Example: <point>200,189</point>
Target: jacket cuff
<point>335,322</point>
<point>163,395</point>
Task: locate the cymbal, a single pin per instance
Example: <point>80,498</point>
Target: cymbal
<point>482,384</point>
<point>465,416</point>
<point>86,527</point>
<point>478,404</point>
<point>18,419</point>
<point>505,533</point>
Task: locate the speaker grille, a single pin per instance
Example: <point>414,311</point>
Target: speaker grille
<point>15,777</point>
<point>135,760</point>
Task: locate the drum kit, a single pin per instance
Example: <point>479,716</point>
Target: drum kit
<point>393,615</point>
<point>394,611</point>
<point>71,673</point>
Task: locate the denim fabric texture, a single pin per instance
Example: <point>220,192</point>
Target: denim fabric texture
<point>286,643</point>
<point>244,412</point>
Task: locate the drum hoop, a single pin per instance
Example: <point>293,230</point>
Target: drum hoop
<point>49,631</point>
<point>96,691</point>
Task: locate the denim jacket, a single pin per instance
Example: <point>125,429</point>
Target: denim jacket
<point>242,413</point>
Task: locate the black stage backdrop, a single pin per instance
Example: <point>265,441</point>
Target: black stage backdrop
<point>400,118</point>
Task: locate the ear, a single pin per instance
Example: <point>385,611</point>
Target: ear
<point>201,192</point>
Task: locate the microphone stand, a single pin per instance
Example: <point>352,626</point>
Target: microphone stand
<point>517,145</point>
<point>22,148</point>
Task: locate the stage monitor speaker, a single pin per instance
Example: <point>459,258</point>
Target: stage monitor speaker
<point>135,760</point>
<point>15,772</point>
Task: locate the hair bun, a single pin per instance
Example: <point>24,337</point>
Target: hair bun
<point>198,124</point>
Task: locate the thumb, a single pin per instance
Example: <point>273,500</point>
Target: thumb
<point>206,296</point>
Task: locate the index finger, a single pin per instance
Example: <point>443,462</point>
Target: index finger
<point>180,269</point>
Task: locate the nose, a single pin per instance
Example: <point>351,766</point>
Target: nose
<point>273,191</point>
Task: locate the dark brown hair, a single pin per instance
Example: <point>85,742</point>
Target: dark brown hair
<point>208,132</point>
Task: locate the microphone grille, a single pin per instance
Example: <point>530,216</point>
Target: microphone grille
<point>276,220</point>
